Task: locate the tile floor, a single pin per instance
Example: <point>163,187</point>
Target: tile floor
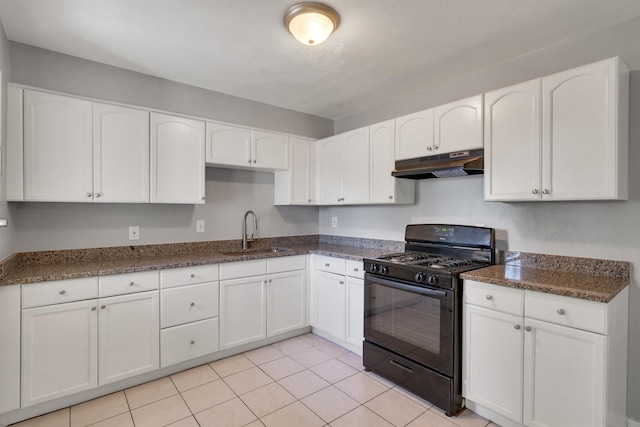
<point>303,381</point>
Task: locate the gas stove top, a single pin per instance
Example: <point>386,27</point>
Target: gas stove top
<point>429,261</point>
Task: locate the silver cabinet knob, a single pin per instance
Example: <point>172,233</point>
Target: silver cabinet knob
<point>435,147</point>
<point>545,191</point>
<point>390,197</point>
<point>103,307</point>
<point>249,160</point>
<point>528,328</point>
<point>429,148</point>
<point>62,292</point>
<point>131,283</point>
<point>202,198</point>
<point>561,311</point>
<point>534,191</point>
<point>342,282</point>
<point>309,200</point>
<point>269,280</point>
<point>94,308</point>
<point>254,161</point>
<point>326,265</point>
<point>98,194</point>
<point>356,269</point>
<point>517,327</point>
<point>193,304</point>
<point>192,342</point>
<point>489,297</point>
<point>88,194</point>
<point>192,276</point>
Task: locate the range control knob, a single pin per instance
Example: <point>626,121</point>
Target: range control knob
<point>432,280</point>
<point>384,269</point>
<point>373,268</point>
<point>420,277</point>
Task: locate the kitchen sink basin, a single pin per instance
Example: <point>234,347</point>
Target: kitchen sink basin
<point>257,251</point>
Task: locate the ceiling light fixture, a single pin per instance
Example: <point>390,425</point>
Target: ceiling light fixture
<point>311,22</point>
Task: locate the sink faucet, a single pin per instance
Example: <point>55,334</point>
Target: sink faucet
<point>245,241</point>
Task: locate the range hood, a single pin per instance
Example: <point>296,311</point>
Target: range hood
<point>461,163</point>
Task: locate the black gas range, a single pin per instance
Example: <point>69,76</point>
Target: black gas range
<point>413,309</point>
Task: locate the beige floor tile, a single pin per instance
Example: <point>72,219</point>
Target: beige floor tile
<point>207,395</point>
<point>150,392</point>
<point>430,419</point>
<point>231,365</point>
<point>310,357</point>
<point>265,400</point>
<point>161,413</point>
<point>54,419</point>
<point>362,416</point>
<point>334,370</point>
<point>195,377</point>
<point>395,408</point>
<point>187,422</point>
<point>294,415</point>
<point>247,380</point>
<point>331,349</point>
<point>294,345</point>
<point>303,383</point>
<point>280,368</point>
<point>232,413</point>
<point>256,423</point>
<point>361,387</point>
<point>98,409</point>
<point>465,419</point>
<point>122,420</point>
<point>330,403</point>
<point>411,396</point>
<point>352,360</point>
<point>263,354</point>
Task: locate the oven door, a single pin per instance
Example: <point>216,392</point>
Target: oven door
<point>413,321</point>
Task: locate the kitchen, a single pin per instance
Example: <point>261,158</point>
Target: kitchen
<point>607,230</point>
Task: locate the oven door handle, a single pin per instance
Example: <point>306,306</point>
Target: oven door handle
<point>435,293</point>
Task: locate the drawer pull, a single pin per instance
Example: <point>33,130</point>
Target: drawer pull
<point>193,275</point>
<point>62,292</point>
<point>103,307</point>
<point>489,297</point>
<point>516,327</point>
<point>561,311</point>
<point>326,265</point>
<point>342,282</point>
<point>528,328</point>
<point>356,269</point>
<point>192,342</point>
<point>193,304</point>
<point>131,283</point>
<point>400,365</point>
<point>94,308</point>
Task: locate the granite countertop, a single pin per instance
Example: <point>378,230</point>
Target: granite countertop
<point>44,266</point>
<point>583,278</point>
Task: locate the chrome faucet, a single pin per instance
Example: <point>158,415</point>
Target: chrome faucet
<point>245,241</point>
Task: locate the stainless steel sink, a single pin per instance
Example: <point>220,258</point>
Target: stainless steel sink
<point>257,251</point>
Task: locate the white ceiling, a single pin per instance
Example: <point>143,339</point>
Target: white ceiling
<point>382,49</point>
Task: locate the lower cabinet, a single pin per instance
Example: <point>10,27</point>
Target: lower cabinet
<point>544,360</point>
<point>328,304</point>
<point>9,348</point>
<point>285,302</point>
<point>242,311</point>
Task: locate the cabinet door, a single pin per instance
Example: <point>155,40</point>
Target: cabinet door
<point>458,126</point>
<point>57,148</point>
<point>242,311</point>
<point>59,350</point>
<point>9,348</point>
<point>580,139</point>
<point>15,145</point>
<point>492,360</point>
<point>177,159</point>
<point>302,171</point>
<point>564,379</point>
<point>270,150</point>
<point>355,311</point>
<point>228,145</point>
<point>328,304</point>
<point>355,172</point>
<point>329,170</point>
<point>512,142</point>
<point>414,135</point>
<point>285,302</point>
<point>120,154</point>
<point>129,336</point>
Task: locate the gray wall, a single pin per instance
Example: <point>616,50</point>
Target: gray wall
<point>6,234</point>
<point>609,230</point>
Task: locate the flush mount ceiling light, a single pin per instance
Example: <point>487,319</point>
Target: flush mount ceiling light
<point>311,22</point>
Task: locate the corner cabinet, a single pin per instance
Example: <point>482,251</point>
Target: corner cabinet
<point>574,124</point>
<point>177,159</point>
<point>296,186</point>
<point>544,360</point>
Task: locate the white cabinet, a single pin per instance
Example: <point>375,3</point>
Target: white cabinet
<point>458,126</point>
<point>285,302</point>
<point>384,188</point>
<point>328,304</point>
<point>10,348</point>
<point>242,311</point>
<point>177,159</point>
<point>354,331</point>
<point>414,135</point>
<point>236,146</point>
<point>15,144</point>
<point>574,124</point>
<point>343,168</point>
<point>544,360</point>
<point>296,186</point>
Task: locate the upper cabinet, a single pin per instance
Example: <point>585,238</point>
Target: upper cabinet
<point>230,146</point>
<point>458,126</point>
<point>414,135</point>
<point>177,159</point>
<point>562,137</point>
<point>296,186</point>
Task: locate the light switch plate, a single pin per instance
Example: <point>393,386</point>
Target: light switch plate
<point>200,226</point>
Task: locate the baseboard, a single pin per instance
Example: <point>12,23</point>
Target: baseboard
<point>633,423</point>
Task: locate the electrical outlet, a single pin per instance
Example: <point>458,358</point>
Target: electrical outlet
<point>200,226</point>
<point>134,232</point>
<point>334,222</point>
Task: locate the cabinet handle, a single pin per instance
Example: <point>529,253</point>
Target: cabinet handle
<point>528,328</point>
<point>192,276</point>
<point>326,265</point>
<point>249,160</point>
<point>254,161</point>
<point>545,191</point>
<point>202,198</point>
<point>94,308</point>
<point>489,297</point>
<point>62,292</point>
<point>535,191</point>
<point>131,283</point>
<point>342,282</point>
<point>192,342</point>
<point>517,327</point>
<point>355,269</point>
<point>435,147</point>
<point>429,148</point>
<point>561,311</point>
<point>193,304</point>
<point>98,194</point>
<point>390,197</point>
<point>309,200</point>
<point>88,194</point>
<point>269,280</point>
<point>103,307</point>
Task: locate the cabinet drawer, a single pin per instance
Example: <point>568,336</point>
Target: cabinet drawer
<point>188,275</point>
<point>120,284</point>
<point>576,313</point>
<point>59,291</point>
<point>329,264</point>
<point>287,263</point>
<point>235,270</point>
<point>188,303</point>
<point>494,297</point>
<point>188,341</point>
<point>355,268</point>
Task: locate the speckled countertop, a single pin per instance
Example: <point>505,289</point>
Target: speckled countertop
<point>584,278</point>
<point>33,267</point>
